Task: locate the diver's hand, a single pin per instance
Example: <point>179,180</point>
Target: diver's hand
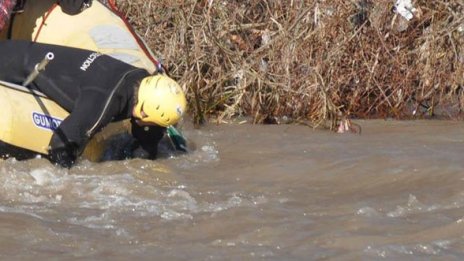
<point>74,7</point>
<point>63,156</point>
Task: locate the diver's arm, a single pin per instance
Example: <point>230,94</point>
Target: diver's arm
<point>15,61</point>
<point>87,118</point>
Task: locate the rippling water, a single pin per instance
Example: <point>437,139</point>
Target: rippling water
<point>250,193</point>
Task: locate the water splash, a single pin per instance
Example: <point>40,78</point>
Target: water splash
<point>416,250</point>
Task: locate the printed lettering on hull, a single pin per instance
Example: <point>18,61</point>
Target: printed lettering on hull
<point>45,122</point>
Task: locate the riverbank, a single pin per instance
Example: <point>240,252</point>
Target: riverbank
<point>309,61</point>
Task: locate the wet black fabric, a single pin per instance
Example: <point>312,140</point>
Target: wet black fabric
<point>95,89</point>
<point>73,7</point>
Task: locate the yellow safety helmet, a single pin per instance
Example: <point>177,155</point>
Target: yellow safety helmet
<point>160,101</point>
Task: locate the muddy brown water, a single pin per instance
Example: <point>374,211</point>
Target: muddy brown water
<point>249,192</point>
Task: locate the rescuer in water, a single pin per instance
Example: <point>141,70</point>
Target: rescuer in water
<point>96,90</point>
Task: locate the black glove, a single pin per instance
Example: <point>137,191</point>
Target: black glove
<point>147,139</point>
<point>63,156</point>
<point>73,7</point>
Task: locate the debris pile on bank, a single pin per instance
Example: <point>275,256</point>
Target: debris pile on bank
<point>310,61</point>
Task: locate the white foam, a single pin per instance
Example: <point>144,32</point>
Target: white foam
<point>42,177</point>
<point>368,212</point>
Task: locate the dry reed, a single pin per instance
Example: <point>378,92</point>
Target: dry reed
<point>308,61</point>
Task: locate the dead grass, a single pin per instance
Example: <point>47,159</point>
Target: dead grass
<point>308,61</point>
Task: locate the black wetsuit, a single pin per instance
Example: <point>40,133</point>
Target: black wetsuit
<point>95,89</point>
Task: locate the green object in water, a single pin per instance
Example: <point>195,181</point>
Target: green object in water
<point>177,139</point>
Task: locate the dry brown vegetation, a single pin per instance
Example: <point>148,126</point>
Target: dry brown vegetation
<point>308,61</point>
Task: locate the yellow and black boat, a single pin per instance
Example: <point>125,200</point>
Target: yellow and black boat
<point>29,118</point>
<point>98,28</point>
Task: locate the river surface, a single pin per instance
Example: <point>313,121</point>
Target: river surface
<point>249,192</point>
